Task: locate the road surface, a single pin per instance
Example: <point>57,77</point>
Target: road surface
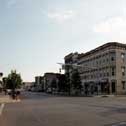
<point>38,109</point>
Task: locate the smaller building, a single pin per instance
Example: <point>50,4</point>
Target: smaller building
<point>28,85</point>
<point>48,83</point>
<point>51,82</point>
<point>39,83</point>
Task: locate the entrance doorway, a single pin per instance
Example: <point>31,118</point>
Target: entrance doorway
<point>113,87</point>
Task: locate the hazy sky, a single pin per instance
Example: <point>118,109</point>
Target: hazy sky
<point>36,34</point>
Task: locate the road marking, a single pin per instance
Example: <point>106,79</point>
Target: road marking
<point>1,108</point>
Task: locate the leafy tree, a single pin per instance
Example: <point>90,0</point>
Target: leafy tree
<point>68,83</point>
<point>61,83</point>
<point>14,80</point>
<point>76,81</point>
<point>1,74</point>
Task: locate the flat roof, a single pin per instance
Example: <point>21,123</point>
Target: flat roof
<point>103,47</point>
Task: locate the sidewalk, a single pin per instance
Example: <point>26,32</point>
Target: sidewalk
<point>6,99</point>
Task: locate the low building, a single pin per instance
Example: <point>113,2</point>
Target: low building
<point>39,83</point>
<point>28,86</point>
<point>49,79</point>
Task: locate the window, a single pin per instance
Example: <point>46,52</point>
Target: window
<point>104,74</point>
<point>123,71</point>
<point>123,85</point>
<point>122,56</point>
<point>100,74</point>
<point>112,54</point>
<point>107,60</point>
<point>107,73</point>
<point>112,58</point>
<point>103,60</point>
<point>113,71</point>
<point>91,76</point>
<point>99,62</point>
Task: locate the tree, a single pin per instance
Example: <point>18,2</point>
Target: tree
<point>1,86</point>
<point>76,81</point>
<point>61,83</point>
<point>1,74</point>
<point>68,83</point>
<point>14,80</point>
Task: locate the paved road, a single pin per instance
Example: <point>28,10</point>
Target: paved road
<point>37,109</point>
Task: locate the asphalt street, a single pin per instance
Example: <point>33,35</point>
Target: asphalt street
<point>38,109</point>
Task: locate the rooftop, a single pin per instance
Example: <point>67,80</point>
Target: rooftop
<point>103,47</point>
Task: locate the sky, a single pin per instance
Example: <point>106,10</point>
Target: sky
<point>36,34</point>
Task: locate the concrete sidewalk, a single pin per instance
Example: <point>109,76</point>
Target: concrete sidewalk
<point>7,99</point>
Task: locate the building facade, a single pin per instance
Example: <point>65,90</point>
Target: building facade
<point>39,84</point>
<point>49,79</point>
<point>102,70</point>
<point>28,86</point>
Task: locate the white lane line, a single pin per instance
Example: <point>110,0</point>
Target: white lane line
<point>1,108</point>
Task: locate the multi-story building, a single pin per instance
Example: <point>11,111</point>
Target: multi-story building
<point>102,70</point>
<point>50,78</point>
<point>71,60</point>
